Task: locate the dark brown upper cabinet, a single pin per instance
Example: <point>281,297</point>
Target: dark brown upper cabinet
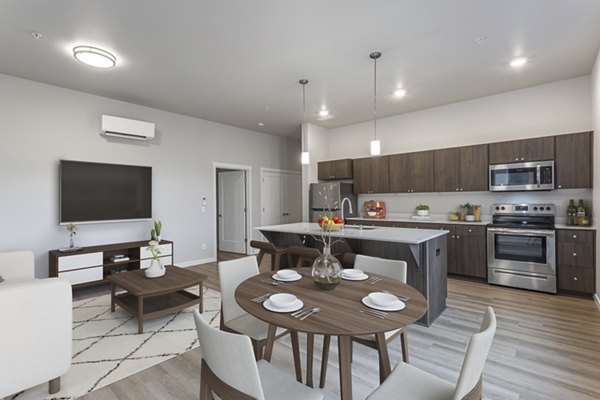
<point>461,168</point>
<point>535,149</point>
<point>411,172</point>
<point>573,160</point>
<point>335,169</point>
<point>371,175</point>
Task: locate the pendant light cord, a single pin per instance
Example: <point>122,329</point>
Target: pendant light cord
<point>303,82</point>
<point>375,98</point>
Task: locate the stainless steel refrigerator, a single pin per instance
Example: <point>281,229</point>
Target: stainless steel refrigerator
<point>327,198</point>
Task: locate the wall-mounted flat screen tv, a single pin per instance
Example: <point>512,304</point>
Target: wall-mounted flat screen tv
<point>95,192</point>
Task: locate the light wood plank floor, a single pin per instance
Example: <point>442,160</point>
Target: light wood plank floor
<point>546,347</point>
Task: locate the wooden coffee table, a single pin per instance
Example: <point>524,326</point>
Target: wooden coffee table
<point>146,298</point>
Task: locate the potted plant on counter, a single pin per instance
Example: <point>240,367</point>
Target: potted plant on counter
<point>467,212</point>
<point>422,210</point>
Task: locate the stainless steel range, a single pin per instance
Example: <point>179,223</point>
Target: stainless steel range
<point>521,246</point>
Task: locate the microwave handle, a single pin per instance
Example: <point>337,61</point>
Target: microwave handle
<point>538,173</point>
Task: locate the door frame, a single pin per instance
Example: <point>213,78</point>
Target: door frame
<point>237,167</point>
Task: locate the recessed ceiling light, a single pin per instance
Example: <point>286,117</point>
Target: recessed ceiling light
<point>94,56</point>
<point>400,92</point>
<point>518,62</point>
<point>260,124</point>
<point>324,112</point>
<point>36,35</point>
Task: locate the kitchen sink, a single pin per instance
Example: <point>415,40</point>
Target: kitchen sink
<point>357,227</point>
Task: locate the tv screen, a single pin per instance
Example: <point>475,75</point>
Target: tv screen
<point>95,192</point>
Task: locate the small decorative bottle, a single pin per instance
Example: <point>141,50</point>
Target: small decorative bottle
<point>571,212</point>
<point>580,212</point>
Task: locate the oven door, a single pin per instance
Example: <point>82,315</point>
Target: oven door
<point>524,250</point>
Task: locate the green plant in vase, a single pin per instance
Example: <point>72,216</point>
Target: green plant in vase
<point>422,210</point>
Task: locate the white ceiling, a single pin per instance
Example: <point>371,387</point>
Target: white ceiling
<point>239,62</point>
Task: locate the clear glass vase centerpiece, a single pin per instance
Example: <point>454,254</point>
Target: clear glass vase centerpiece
<point>326,270</point>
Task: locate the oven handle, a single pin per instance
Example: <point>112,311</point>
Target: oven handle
<point>523,232</point>
<point>538,174</point>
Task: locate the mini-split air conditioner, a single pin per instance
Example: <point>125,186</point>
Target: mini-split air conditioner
<point>127,128</point>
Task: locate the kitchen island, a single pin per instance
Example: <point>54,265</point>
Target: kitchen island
<point>424,250</point>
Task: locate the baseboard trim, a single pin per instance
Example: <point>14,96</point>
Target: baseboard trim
<point>597,300</point>
<point>192,263</point>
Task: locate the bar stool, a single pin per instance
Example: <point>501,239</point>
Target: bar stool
<point>304,254</point>
<point>269,248</point>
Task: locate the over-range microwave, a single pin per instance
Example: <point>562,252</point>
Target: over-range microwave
<point>535,175</point>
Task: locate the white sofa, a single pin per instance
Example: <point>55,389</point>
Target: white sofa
<point>36,326</point>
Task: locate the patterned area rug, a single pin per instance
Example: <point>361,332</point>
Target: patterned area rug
<point>107,347</point>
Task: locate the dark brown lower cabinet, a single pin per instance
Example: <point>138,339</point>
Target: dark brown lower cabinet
<point>466,245</point>
<point>575,260</point>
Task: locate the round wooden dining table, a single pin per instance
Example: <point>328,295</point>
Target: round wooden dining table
<point>339,315</point>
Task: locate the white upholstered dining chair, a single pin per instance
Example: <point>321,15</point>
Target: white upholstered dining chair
<point>409,382</point>
<point>394,269</point>
<point>230,371</point>
<point>233,318</point>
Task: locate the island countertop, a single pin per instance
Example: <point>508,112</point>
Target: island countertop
<point>384,234</point>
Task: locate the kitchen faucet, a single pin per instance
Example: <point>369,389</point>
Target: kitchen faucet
<point>342,208</point>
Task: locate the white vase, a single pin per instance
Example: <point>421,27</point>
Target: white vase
<point>422,213</point>
<point>155,270</point>
<point>157,238</point>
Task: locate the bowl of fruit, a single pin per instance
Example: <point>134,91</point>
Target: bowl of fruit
<point>331,224</point>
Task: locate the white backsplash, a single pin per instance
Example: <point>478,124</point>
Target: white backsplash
<point>403,204</point>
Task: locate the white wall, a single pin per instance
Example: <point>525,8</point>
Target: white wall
<point>596,122</point>
<point>554,108</point>
<point>316,143</point>
<point>42,124</point>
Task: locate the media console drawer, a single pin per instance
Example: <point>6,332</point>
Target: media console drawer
<point>78,261</point>
<point>82,275</point>
<point>165,250</point>
<point>165,261</point>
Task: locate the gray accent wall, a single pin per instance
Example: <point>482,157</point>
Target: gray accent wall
<point>41,124</point>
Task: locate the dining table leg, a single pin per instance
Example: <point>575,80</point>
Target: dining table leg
<point>296,352</point>
<point>345,360</point>
<point>270,342</point>
<point>385,367</point>
<point>310,344</point>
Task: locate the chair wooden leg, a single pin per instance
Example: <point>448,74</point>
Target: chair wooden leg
<point>205,393</point>
<point>259,257</point>
<point>258,349</point>
<point>404,343</point>
<point>296,352</point>
<point>276,262</point>
<point>290,260</point>
<point>310,345</point>
<point>54,385</point>
<point>324,360</point>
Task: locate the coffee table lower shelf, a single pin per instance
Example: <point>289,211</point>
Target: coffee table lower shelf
<point>151,307</point>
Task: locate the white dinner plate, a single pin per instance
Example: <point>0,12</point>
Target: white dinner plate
<point>396,306</point>
<point>298,304</point>
<point>292,279</point>
<point>357,278</point>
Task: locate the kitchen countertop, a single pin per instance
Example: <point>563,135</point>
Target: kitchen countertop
<point>434,220</point>
<point>383,234</point>
<point>585,227</point>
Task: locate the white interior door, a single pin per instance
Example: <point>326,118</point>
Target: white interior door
<point>272,211</point>
<point>232,211</point>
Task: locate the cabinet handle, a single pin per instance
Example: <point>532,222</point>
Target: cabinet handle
<point>458,237</point>
<point>574,254</point>
<point>522,158</point>
<point>470,230</point>
<point>560,186</point>
<point>574,236</point>
<point>452,237</point>
<point>461,189</point>
<point>517,159</point>
<point>575,278</point>
<point>457,189</point>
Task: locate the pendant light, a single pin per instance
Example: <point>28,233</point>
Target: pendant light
<point>375,144</point>
<point>305,158</point>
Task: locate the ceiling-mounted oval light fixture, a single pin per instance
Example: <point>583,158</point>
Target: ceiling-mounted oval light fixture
<point>94,56</point>
<point>375,144</point>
